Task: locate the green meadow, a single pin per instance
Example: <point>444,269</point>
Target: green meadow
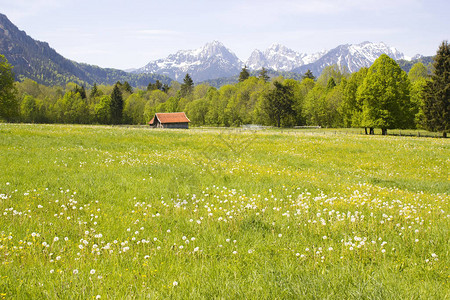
<point>89,212</point>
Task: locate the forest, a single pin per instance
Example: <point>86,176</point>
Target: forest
<point>382,96</point>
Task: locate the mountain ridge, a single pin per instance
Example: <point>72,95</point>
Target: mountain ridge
<point>36,60</point>
<point>212,62</point>
<point>277,58</point>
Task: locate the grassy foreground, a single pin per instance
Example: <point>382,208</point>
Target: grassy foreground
<point>100,212</point>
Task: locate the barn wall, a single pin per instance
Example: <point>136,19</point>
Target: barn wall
<point>176,125</point>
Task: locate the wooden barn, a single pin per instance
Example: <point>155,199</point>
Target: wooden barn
<point>170,120</point>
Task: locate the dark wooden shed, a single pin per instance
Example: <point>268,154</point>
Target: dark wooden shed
<point>170,120</point>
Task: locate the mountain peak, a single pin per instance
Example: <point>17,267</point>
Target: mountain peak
<point>214,43</point>
<point>352,57</point>
<point>213,60</point>
<point>277,57</point>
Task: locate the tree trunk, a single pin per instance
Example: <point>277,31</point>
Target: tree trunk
<point>383,131</point>
<point>365,130</point>
<point>278,121</point>
<point>371,131</point>
<point>444,134</point>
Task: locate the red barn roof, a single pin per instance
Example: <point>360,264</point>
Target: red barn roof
<point>164,118</point>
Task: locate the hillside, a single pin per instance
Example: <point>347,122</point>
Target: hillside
<point>38,61</point>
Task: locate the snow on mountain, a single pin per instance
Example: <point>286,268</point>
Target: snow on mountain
<point>280,58</point>
<point>214,60</point>
<point>351,57</point>
<point>415,57</point>
<point>211,61</point>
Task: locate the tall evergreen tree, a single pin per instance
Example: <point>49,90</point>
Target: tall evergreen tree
<point>116,105</point>
<point>279,102</point>
<point>94,91</point>
<point>331,83</point>
<point>158,85</point>
<point>187,86</point>
<point>244,74</point>
<point>80,90</point>
<point>263,75</point>
<point>127,87</point>
<point>9,106</point>
<point>436,107</point>
<point>308,74</point>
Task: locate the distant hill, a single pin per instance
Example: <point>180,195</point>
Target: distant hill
<point>38,61</point>
<point>406,65</point>
<point>217,83</point>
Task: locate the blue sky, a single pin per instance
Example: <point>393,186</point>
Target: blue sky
<point>129,34</point>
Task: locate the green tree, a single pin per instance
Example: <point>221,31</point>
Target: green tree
<point>8,100</point>
<point>417,101</point>
<point>102,110</point>
<point>385,96</point>
<point>301,91</point>
<point>418,71</point>
<point>133,110</point>
<point>156,86</point>
<point>436,106</point>
<point>308,74</point>
<point>116,105</point>
<point>197,111</point>
<point>187,86</point>
<point>331,83</point>
<point>244,74</point>
<point>80,90</point>
<point>28,109</point>
<point>71,109</point>
<point>279,102</point>
<point>351,108</point>
<point>418,76</point>
<point>95,92</point>
<point>333,71</point>
<point>263,74</point>
<point>127,87</point>
<point>314,106</point>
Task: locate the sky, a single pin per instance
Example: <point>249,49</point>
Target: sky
<point>130,34</point>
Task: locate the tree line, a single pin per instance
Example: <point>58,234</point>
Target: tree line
<point>382,96</point>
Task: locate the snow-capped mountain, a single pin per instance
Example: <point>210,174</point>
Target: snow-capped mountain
<point>214,60</point>
<point>211,61</point>
<point>351,57</point>
<point>417,56</point>
<point>280,58</point>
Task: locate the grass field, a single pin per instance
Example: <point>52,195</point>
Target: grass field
<point>122,213</point>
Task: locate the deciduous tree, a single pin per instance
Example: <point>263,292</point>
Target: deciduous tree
<point>385,96</point>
